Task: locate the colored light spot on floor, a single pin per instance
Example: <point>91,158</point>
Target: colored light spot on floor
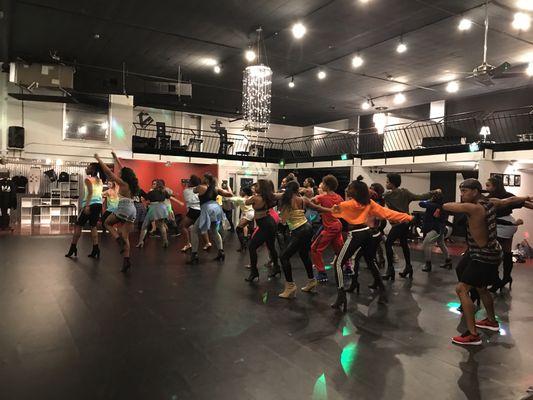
<point>328,267</point>
<point>348,357</point>
<point>348,328</point>
<point>320,391</point>
<point>118,129</point>
<point>265,297</point>
<point>453,306</point>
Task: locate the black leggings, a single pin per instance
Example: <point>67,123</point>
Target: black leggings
<point>507,259</point>
<point>377,236</point>
<point>359,240</point>
<point>398,231</point>
<point>265,233</point>
<point>299,242</point>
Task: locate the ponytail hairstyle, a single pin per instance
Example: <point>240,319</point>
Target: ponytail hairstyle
<point>358,190</point>
<point>291,190</point>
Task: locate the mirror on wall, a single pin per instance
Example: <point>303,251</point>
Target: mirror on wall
<point>87,120</point>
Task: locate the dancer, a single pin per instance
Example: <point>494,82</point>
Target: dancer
<point>124,215</point>
<point>111,201</point>
<point>434,228</point>
<point>210,219</point>
<point>506,228</point>
<point>262,202</point>
<point>246,218</point>
<point>398,199</point>
<point>157,213</point>
<point>192,202</point>
<point>331,233</point>
<point>227,207</point>
<point>91,207</point>
<point>356,213</point>
<point>301,234</point>
<point>482,258</point>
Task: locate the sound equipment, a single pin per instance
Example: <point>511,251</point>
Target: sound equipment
<point>15,137</point>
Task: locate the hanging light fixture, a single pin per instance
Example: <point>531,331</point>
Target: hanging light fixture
<point>291,83</point>
<point>256,90</point>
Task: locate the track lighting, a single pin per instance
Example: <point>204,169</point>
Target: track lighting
<point>217,69</point>
<point>298,30</point>
<point>321,75</point>
<point>357,61</point>
<point>452,87</point>
<point>250,55</point>
<point>210,62</point>
<point>529,70</point>
<point>521,21</point>
<point>402,47</point>
<point>291,83</point>
<point>465,24</point>
<point>399,98</point>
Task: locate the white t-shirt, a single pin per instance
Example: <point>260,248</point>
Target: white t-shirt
<point>191,199</point>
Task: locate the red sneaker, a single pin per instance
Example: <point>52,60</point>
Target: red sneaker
<point>487,324</point>
<point>467,339</point>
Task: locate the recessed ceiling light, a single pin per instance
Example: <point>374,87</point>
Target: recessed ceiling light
<point>321,74</point>
<point>452,87</point>
<point>399,98</point>
<point>210,62</point>
<point>365,105</point>
<point>521,21</point>
<point>465,24</point>
<point>291,83</point>
<point>402,47</point>
<point>529,70</point>
<point>250,55</point>
<point>217,69</point>
<point>525,4</point>
<point>298,30</point>
<point>357,61</point>
<point>364,1</point>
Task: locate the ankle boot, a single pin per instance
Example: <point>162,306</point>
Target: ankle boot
<point>194,259</point>
<point>427,267</point>
<point>447,264</point>
<point>289,291</point>
<point>254,274</point>
<point>220,256</point>
<point>275,270</point>
<point>311,284</point>
<point>354,285</point>
<point>407,272</point>
<point>126,265</point>
<point>72,251</point>
<point>95,253</point>
<point>390,274</point>
<point>341,300</point>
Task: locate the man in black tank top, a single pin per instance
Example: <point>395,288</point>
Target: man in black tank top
<point>483,256</point>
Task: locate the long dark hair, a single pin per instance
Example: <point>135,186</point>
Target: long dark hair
<point>128,176</point>
<point>358,190</point>
<point>194,181</point>
<point>265,189</point>
<point>498,186</point>
<point>291,189</point>
<point>211,181</point>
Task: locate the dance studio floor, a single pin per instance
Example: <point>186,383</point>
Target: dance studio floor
<point>79,329</point>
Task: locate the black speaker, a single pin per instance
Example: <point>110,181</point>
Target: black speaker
<point>15,137</point>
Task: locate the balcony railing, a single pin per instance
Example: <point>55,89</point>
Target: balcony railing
<point>452,133</point>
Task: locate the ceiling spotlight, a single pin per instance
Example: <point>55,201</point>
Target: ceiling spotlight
<point>380,122</point>
<point>82,130</point>
<point>529,70</point>
<point>250,55</point>
<point>210,62</point>
<point>291,83</point>
<point>452,87</point>
<point>298,30</point>
<point>402,47</point>
<point>217,69</point>
<point>365,105</point>
<point>399,98</point>
<point>321,74</point>
<point>525,5</point>
<point>521,21</point>
<point>364,1</point>
<point>357,61</point>
<point>465,24</point>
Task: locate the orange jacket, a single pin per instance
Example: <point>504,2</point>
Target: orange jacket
<point>357,214</point>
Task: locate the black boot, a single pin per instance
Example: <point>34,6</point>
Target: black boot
<point>121,243</point>
<point>507,278</point>
<point>341,300</point>
<point>194,259</point>
<point>73,251</point>
<point>390,273</point>
<point>240,236</point>
<point>354,285</point>
<point>407,272</point>
<point>447,264</point>
<point>378,283</point>
<point>126,265</point>
<point>274,271</point>
<point>95,253</point>
<point>220,256</point>
<point>254,274</point>
<point>427,267</point>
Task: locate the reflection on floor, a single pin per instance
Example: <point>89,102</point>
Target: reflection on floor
<point>79,329</point>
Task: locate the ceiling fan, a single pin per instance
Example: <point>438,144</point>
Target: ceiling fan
<point>485,73</point>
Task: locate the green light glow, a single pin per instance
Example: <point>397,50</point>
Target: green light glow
<point>344,156</point>
<point>328,267</point>
<point>247,173</point>
<point>118,129</point>
<point>348,329</point>
<point>348,357</point>
<point>320,391</point>
<point>453,304</point>
<point>265,297</point>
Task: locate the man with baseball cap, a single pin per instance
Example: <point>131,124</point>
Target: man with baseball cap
<point>482,257</point>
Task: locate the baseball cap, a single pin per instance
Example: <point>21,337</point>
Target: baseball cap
<point>471,183</point>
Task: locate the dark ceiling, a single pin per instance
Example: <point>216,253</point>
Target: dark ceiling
<point>157,38</point>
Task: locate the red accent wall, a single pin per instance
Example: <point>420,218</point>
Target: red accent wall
<point>147,171</point>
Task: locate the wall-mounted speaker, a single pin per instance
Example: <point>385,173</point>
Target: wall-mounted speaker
<point>15,137</point>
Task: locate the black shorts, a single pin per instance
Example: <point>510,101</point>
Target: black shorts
<point>92,217</point>
<point>479,274</point>
<point>193,214</point>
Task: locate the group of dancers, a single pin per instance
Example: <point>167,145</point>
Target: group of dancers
<point>309,219</point>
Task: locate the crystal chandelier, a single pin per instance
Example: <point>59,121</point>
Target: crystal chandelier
<point>256,91</point>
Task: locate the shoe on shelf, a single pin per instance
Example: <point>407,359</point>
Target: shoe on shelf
<point>311,284</point>
<point>467,339</point>
<point>322,276</point>
<point>488,324</point>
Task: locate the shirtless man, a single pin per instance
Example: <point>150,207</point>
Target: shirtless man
<point>483,256</point>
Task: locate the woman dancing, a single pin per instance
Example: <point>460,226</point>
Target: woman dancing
<point>262,202</point>
<point>360,237</point>
<point>211,216</point>
<point>91,207</point>
<point>157,212</point>
<point>245,226</point>
<point>192,202</point>
<point>111,201</point>
<point>434,227</point>
<point>124,215</point>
